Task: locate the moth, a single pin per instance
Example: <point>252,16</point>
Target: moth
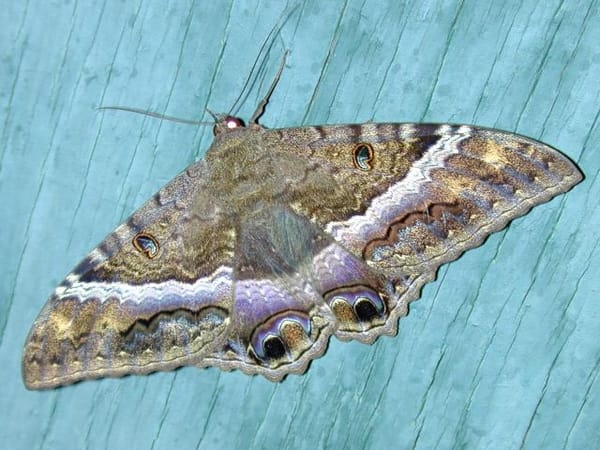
<point>253,257</point>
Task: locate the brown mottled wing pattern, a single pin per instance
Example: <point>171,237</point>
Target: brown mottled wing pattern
<point>254,257</point>
<point>123,310</point>
<point>426,194</point>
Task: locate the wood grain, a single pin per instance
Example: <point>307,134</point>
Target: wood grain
<point>502,351</point>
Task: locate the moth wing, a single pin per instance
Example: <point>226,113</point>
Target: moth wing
<point>341,228</point>
<point>154,295</point>
<point>407,198</point>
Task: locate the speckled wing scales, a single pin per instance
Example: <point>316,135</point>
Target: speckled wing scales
<point>295,287</point>
<point>154,295</point>
<point>254,257</point>
<point>279,322</point>
<point>407,198</point>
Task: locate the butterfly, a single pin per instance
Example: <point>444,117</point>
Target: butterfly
<point>253,257</point>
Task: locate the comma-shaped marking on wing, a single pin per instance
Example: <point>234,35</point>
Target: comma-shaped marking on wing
<point>147,244</point>
<point>363,156</point>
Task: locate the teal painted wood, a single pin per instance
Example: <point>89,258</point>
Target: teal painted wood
<point>501,352</point>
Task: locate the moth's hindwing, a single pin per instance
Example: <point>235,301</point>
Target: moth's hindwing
<point>254,257</point>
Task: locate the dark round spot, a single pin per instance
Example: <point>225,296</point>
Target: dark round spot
<point>365,310</point>
<point>234,122</point>
<point>273,347</point>
<point>227,124</point>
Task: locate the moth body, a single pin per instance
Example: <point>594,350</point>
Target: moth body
<point>253,257</point>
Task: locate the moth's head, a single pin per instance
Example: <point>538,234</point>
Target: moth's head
<point>226,124</point>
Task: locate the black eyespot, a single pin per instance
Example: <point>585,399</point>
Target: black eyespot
<point>147,244</point>
<point>362,157</point>
<point>273,347</point>
<point>365,310</point>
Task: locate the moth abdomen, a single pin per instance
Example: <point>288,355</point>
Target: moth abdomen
<point>253,258</point>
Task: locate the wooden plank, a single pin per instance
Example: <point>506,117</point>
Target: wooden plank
<point>503,349</point>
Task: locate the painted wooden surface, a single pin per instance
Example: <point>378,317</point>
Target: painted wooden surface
<point>502,351</point>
